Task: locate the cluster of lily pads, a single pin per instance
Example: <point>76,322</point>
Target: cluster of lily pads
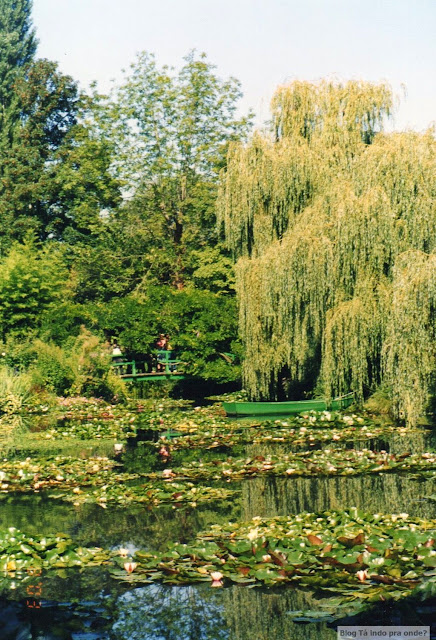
<point>20,553</point>
<point>89,429</point>
<point>108,422</point>
<point>348,551</point>
<point>151,494</point>
<point>356,554</point>
<point>323,462</point>
<point>59,471</point>
<point>97,480</point>
<point>281,432</point>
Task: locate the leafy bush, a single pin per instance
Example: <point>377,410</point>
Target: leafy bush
<point>93,374</point>
<point>14,390</point>
<point>62,321</point>
<point>51,369</point>
<point>30,280</point>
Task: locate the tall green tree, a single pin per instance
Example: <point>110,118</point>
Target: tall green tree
<point>54,169</point>
<point>17,49</point>
<point>171,132</point>
<point>48,104</point>
<point>334,225</point>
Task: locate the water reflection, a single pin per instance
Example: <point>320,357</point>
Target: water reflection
<point>90,525</point>
<point>384,493</point>
<point>89,605</point>
<point>159,612</point>
<point>182,613</point>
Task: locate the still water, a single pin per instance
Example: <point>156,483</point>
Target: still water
<point>89,605</point>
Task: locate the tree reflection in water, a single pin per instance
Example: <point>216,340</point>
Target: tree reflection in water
<point>170,613</point>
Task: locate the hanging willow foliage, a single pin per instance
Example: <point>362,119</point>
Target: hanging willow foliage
<point>333,224</point>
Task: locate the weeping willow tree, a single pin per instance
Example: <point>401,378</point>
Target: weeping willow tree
<point>333,225</point>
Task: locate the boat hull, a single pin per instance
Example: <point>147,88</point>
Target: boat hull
<point>285,408</point>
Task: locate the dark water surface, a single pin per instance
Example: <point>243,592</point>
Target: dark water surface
<point>89,605</point>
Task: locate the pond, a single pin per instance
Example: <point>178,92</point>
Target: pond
<point>88,604</point>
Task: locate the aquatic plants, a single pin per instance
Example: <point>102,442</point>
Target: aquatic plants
<point>206,431</point>
<point>99,480</point>
<point>333,225</point>
<point>58,471</point>
<point>324,462</point>
<point>355,554</point>
<point>21,553</point>
<point>151,494</point>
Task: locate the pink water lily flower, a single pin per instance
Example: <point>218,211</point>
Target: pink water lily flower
<point>216,579</point>
<point>362,575</point>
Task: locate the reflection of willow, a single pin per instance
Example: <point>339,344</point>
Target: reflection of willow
<point>389,492</point>
<point>417,441</point>
<point>385,493</point>
<point>170,613</point>
<point>257,615</point>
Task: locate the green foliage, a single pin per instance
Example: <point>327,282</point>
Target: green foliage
<point>334,224</point>
<point>83,191</point>
<point>14,391</point>
<point>61,322</point>
<point>81,366</point>
<point>171,133</point>
<point>48,104</point>
<point>201,324</point>
<point>54,171</point>
<point>17,48</point>
<point>30,280</point>
<point>91,364</point>
<point>204,327</point>
<point>51,369</point>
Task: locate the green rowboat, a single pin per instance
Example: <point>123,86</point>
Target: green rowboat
<point>286,408</point>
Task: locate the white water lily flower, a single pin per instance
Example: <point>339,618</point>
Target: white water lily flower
<point>253,534</point>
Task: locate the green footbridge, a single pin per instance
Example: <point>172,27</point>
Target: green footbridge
<point>164,367</point>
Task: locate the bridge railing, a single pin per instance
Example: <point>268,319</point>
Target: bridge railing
<point>163,363</point>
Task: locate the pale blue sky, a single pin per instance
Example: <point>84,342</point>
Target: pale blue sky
<point>263,43</point>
